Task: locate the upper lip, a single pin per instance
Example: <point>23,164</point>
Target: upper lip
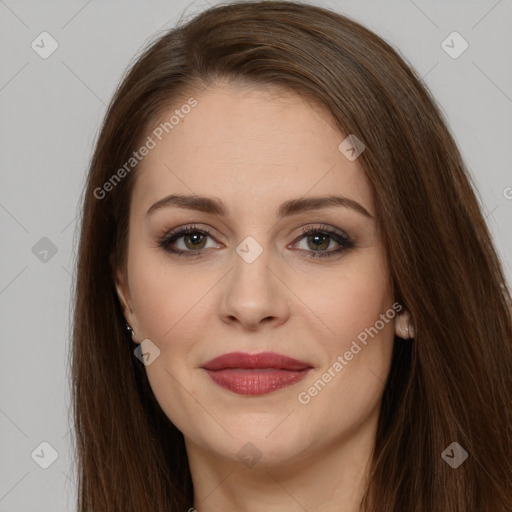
<point>254,361</point>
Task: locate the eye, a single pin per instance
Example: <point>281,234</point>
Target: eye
<point>320,238</point>
<point>192,239</point>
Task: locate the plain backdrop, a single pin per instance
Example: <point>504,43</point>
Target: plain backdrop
<point>51,109</point>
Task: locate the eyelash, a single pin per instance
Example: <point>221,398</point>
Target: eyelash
<point>339,237</point>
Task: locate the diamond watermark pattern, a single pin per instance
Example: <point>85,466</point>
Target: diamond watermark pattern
<point>249,249</point>
<point>44,45</point>
<point>44,455</point>
<point>351,147</point>
<point>454,455</point>
<point>249,455</point>
<point>147,352</point>
<point>44,249</point>
<point>454,45</point>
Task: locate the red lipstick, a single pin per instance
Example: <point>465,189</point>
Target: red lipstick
<point>255,374</point>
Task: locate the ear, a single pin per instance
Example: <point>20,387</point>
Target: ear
<point>403,325</point>
<point>123,292</point>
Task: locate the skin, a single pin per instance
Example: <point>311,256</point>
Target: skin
<point>254,148</point>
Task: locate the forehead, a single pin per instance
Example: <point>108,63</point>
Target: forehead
<point>249,145</point>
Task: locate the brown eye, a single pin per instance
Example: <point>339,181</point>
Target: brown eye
<point>188,241</point>
<point>197,240</point>
<point>318,240</point>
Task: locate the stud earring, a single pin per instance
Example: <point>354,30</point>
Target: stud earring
<point>129,329</point>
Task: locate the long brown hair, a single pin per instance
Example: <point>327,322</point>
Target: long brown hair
<point>452,383</point>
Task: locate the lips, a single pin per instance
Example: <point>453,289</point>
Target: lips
<point>255,374</point>
<point>255,361</point>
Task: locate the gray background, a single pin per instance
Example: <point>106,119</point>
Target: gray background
<point>51,111</point>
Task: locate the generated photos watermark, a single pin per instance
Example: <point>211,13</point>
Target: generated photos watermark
<point>137,156</point>
<point>304,397</point>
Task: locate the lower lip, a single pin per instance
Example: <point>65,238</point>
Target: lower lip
<point>255,381</point>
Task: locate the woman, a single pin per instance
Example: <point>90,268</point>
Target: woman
<point>317,318</point>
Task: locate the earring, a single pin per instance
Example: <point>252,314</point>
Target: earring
<point>129,329</point>
<point>403,326</point>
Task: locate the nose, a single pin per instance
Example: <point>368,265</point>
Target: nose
<point>255,293</point>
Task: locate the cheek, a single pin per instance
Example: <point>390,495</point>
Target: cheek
<point>164,295</point>
<point>167,301</point>
<point>350,301</point>
<point>350,306</point>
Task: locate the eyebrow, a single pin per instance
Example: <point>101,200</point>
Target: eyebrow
<point>292,207</point>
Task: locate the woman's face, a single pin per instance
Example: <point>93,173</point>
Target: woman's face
<point>245,280</point>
